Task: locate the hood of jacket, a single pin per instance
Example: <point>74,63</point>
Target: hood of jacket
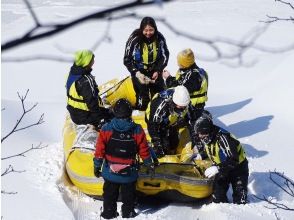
<point>77,70</point>
<point>122,124</point>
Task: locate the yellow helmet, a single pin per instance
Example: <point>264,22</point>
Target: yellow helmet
<point>186,58</point>
<point>83,57</point>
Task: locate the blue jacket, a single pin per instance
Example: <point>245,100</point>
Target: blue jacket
<point>104,160</point>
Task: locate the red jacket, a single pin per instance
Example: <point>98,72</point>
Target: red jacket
<point>122,125</point>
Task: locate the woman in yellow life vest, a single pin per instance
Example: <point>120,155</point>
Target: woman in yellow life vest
<point>146,55</point>
<point>195,79</point>
<point>230,165</point>
<point>83,101</point>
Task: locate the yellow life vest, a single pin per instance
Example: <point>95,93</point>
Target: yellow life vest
<point>200,96</point>
<point>215,153</point>
<point>75,100</point>
<point>149,54</point>
<point>172,118</point>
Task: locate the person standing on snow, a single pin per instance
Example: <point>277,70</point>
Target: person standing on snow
<point>118,144</point>
<point>195,79</point>
<point>164,116</point>
<point>83,101</point>
<point>146,55</point>
<point>230,165</point>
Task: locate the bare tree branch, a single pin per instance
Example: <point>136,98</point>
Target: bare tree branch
<point>9,193</point>
<point>288,187</point>
<point>286,3</point>
<point>25,111</point>
<point>275,204</point>
<point>54,28</point>
<point>277,217</point>
<point>10,169</point>
<point>273,19</point>
<point>233,57</point>
<point>239,47</point>
<point>37,57</point>
<point>22,154</point>
<point>32,13</point>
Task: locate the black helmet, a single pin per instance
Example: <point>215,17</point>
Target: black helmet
<point>204,124</point>
<point>122,109</point>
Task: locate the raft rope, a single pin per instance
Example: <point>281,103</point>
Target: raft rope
<point>116,85</point>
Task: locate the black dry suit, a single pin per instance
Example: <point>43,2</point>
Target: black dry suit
<point>195,79</point>
<point>163,120</point>
<point>147,56</point>
<point>227,153</point>
<point>83,101</point>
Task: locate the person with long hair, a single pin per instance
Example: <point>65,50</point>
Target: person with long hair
<point>146,55</point>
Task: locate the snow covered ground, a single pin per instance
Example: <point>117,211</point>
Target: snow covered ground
<point>255,103</point>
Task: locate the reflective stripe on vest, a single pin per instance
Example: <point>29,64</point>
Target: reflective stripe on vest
<point>200,96</point>
<point>173,117</point>
<point>75,100</point>
<point>149,54</point>
<point>147,111</point>
<point>217,155</point>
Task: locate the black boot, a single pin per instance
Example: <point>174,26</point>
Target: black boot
<point>107,214</point>
<point>131,214</point>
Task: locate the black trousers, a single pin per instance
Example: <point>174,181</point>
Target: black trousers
<point>144,93</point>
<point>111,192</point>
<point>239,180</point>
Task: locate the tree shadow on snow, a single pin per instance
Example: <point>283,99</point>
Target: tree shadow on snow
<point>243,128</point>
<point>260,185</point>
<point>252,152</point>
<point>221,110</point>
<point>151,204</point>
<point>249,127</point>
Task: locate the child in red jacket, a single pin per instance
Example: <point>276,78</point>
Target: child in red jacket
<point>118,144</point>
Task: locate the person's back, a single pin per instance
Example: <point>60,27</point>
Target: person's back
<point>83,101</point>
<point>118,144</point>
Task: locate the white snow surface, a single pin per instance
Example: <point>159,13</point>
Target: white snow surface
<point>255,103</point>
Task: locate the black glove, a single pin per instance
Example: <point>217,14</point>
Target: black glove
<point>100,124</point>
<point>97,166</point>
<point>150,170</point>
<point>156,162</point>
<point>158,149</point>
<point>97,171</point>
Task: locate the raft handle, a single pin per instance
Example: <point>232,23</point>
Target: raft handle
<point>152,184</point>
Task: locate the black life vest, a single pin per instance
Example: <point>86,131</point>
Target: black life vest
<point>122,145</point>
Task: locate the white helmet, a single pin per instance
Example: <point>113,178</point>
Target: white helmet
<point>181,96</point>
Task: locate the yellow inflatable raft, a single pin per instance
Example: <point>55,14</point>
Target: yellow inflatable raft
<point>176,178</point>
